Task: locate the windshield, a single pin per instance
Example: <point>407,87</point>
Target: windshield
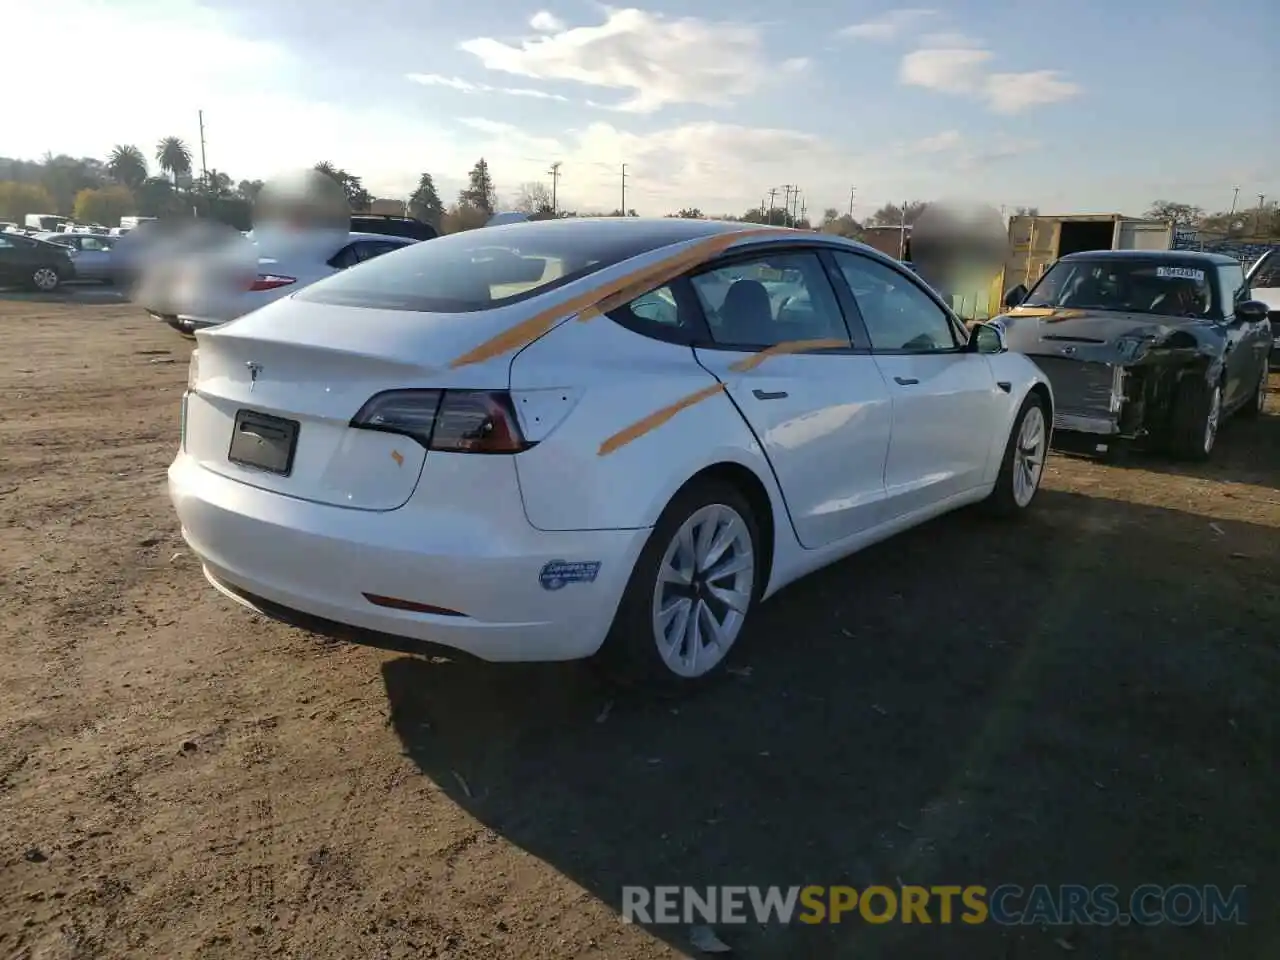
<point>1266,273</point>
<point>484,268</point>
<point>1168,288</point>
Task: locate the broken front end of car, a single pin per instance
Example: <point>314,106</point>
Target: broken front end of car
<point>1126,388</point>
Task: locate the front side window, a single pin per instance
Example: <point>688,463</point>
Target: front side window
<point>898,315</point>
<point>1266,273</point>
<point>1232,287</point>
<point>770,299</point>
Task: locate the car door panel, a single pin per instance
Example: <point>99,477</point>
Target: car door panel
<point>945,401</point>
<point>822,414</point>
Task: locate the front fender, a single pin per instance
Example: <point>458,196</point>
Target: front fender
<point>1022,375</point>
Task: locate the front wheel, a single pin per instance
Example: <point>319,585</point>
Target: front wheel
<point>689,595</point>
<point>1258,401</point>
<point>46,279</point>
<point>1024,457</point>
<point>1197,412</point>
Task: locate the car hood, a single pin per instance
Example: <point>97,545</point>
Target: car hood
<point>1268,295</point>
<point>1103,335</point>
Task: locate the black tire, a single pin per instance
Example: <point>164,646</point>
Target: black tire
<point>1002,501</point>
<point>1257,401</point>
<point>45,278</point>
<point>1191,435</point>
<point>629,655</point>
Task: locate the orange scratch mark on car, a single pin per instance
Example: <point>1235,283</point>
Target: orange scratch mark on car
<point>653,421</point>
<point>786,347</point>
<point>656,419</point>
<point>525,332</point>
<point>398,457</point>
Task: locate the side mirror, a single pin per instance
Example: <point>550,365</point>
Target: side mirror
<point>987,338</point>
<point>1015,295</point>
<point>1251,311</point>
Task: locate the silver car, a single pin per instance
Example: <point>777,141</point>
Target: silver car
<point>90,253</point>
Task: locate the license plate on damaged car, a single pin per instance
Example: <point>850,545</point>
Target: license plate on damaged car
<point>264,442</point>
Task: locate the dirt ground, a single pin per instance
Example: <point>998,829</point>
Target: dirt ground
<point>1087,697</point>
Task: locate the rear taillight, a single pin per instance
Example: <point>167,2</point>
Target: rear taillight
<point>457,421</point>
<point>270,281</point>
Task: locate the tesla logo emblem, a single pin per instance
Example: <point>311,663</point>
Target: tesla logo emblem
<point>254,370</point>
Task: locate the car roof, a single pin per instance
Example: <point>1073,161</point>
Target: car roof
<point>1180,256</point>
<point>362,235</point>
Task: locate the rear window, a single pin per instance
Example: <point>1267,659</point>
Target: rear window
<point>482,269</point>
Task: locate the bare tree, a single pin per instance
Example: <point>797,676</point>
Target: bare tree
<point>533,198</point>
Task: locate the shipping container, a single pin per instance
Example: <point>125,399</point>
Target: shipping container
<point>1036,242</point>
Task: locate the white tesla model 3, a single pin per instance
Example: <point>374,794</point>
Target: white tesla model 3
<point>613,437</point>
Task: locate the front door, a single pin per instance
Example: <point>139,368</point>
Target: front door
<point>945,400</point>
<point>822,414</point>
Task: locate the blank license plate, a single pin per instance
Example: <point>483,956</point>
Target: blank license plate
<point>265,442</point>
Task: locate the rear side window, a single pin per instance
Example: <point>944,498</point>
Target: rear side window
<point>480,269</point>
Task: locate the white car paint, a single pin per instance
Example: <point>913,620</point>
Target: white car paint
<point>215,288</point>
<point>850,458</point>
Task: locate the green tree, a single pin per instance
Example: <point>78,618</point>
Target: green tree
<point>463,216</point>
<point>690,213</point>
<point>19,199</point>
<point>156,198</point>
<point>127,165</point>
<point>892,215</point>
<point>480,192</point>
<point>174,158</point>
<point>1182,214</point>
<point>248,189</point>
<point>104,205</point>
<point>424,202</point>
<point>64,176</point>
<point>618,212</point>
<point>217,185</point>
<point>358,198</point>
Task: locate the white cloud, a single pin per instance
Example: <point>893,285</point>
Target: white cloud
<point>948,40</point>
<point>888,25</point>
<point>546,22</point>
<point>963,70</point>
<point>659,60</point>
<point>938,143</point>
<point>1015,92</point>
<point>466,86</point>
<point>953,70</point>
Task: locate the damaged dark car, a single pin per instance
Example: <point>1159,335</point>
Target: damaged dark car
<point>1158,347</point>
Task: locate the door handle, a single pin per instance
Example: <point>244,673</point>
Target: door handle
<point>769,394</point>
<point>905,381</point>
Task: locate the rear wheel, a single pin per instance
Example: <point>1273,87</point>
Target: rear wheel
<point>689,595</point>
<point>1197,413</point>
<point>46,279</point>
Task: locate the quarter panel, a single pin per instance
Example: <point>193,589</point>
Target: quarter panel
<point>663,417</point>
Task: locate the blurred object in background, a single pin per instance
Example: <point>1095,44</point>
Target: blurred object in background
<point>302,201</point>
<point>959,248</point>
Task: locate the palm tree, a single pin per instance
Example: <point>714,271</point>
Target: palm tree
<point>127,165</point>
<point>328,169</point>
<point>173,157</point>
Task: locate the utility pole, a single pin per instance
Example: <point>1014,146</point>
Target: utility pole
<point>786,203</point>
<point>804,208</point>
<point>1257,222</point>
<point>204,168</point>
<point>624,189</point>
<point>773,192</point>
<point>1235,195</point>
<point>555,184</point>
<point>852,191</point>
<point>902,233</point>
<point>795,204</point>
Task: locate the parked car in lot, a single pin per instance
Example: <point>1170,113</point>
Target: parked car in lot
<point>553,440</point>
<point>91,254</point>
<point>1264,285</point>
<point>1151,345</point>
<point>391,226</point>
<point>34,264</point>
<point>193,294</point>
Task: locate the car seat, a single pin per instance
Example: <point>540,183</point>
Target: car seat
<point>747,314</point>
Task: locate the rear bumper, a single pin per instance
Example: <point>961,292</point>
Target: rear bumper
<point>285,557</point>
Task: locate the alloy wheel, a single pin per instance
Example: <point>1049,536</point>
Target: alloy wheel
<point>1029,456</point>
<point>703,591</point>
<point>45,279</point>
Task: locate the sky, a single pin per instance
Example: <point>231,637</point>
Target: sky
<point>1089,106</point>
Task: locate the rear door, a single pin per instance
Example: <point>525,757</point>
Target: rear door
<point>818,406</point>
<point>945,400</point>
